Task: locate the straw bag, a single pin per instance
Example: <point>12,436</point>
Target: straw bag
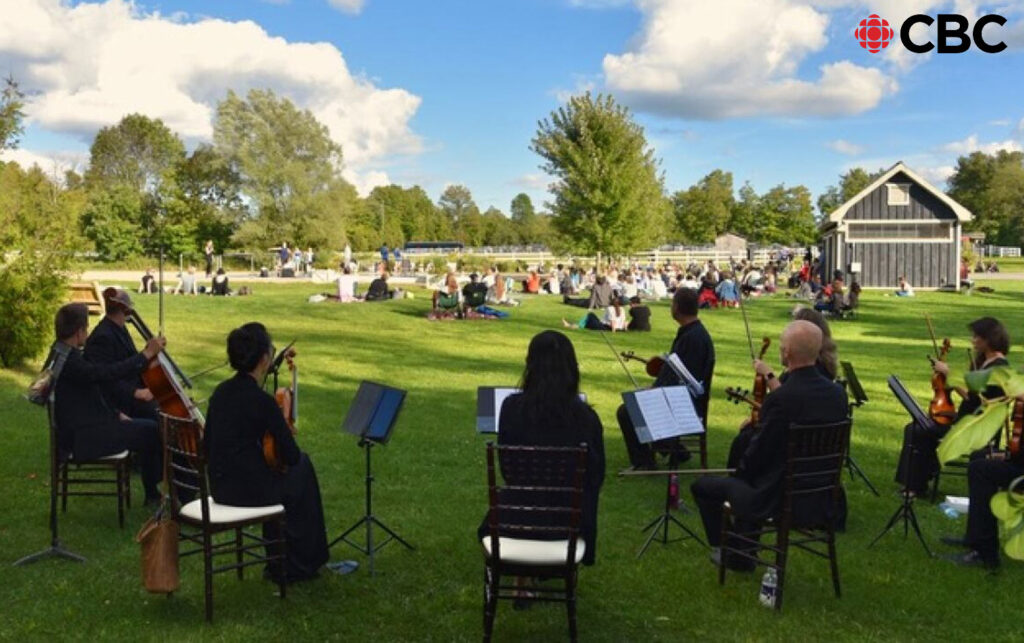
<point>159,540</point>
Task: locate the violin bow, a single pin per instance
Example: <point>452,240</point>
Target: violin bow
<point>746,325</point>
<point>160,322</point>
<point>931,331</point>
<point>621,361</point>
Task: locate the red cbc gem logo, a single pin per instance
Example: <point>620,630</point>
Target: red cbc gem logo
<point>874,33</point>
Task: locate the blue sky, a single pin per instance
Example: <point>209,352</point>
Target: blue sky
<point>450,91</point>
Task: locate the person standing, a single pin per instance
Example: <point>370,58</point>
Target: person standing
<point>87,426</point>
<point>347,255</point>
<point>383,257</point>
<point>208,254</point>
<point>693,346</point>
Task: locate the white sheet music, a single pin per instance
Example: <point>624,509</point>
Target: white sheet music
<point>684,374</point>
<point>683,411</point>
<point>657,413</point>
<point>500,395</point>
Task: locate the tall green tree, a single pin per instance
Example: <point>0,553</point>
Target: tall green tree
<point>498,228</point>
<point>608,196</point>
<point>525,219</point>
<point>461,211</point>
<point>786,216</point>
<point>12,114</point>
<point>850,184</point>
<point>205,198</point>
<point>288,166</point>
<point>704,211</point>
<point>992,187</point>
<point>139,152</point>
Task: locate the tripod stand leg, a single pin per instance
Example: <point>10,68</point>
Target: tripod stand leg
<point>657,525</point>
<point>917,530</point>
<point>53,551</point>
<point>855,470</point>
<point>393,535</point>
<point>889,525</point>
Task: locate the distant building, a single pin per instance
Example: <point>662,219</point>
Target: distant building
<point>899,225</point>
<point>733,243</point>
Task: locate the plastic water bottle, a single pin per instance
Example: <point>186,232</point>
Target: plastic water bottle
<point>673,490</point>
<point>769,583</point>
<point>949,511</point>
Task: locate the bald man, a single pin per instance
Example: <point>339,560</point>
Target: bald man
<point>754,491</point>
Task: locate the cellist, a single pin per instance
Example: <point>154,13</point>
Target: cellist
<point>991,342</point>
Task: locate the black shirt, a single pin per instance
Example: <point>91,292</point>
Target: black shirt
<point>640,318</point>
<point>110,343</point>
<point>972,402</point>
<point>694,347</point>
<point>239,414</point>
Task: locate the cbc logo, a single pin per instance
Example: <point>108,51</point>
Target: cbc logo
<point>874,33</point>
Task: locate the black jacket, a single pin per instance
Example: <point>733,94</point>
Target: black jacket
<point>580,424</point>
<point>83,417</point>
<point>805,398</point>
<point>695,349</point>
<point>239,414</point>
<point>109,343</point>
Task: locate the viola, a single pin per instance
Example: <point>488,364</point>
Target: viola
<point>654,364</point>
<point>288,401</point>
<point>941,408</point>
<point>760,384</point>
<point>166,381</point>
<point>1016,429</point>
<point>736,396</point>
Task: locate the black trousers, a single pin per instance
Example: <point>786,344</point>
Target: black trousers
<point>305,532</point>
<point>918,463</point>
<point>984,478</point>
<point>581,302</point>
<point>709,492</point>
<point>139,436</point>
<point>642,455</point>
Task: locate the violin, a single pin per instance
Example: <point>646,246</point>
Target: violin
<point>654,364</point>
<point>287,398</point>
<point>166,381</point>
<point>941,408</point>
<point>736,396</point>
<point>760,384</point>
<point>1016,429</point>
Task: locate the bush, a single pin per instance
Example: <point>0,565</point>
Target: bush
<point>32,288</point>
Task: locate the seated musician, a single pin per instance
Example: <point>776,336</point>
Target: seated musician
<point>550,413</point>
<point>695,349</point>
<point>240,414</point>
<point>109,343</point>
<point>991,342</point>
<point>87,427</point>
<point>755,489</point>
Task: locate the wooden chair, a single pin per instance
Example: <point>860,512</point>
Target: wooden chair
<point>185,467</point>
<point>533,526</point>
<point>85,477</point>
<point>814,465</point>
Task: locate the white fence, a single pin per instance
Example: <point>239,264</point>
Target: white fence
<point>1001,251</point>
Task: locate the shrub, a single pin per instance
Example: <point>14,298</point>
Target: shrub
<point>31,289</point>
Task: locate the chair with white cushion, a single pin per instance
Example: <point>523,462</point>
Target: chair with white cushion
<point>203,518</point>
<point>533,526</point>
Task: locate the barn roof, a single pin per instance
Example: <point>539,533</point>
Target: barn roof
<point>962,213</point>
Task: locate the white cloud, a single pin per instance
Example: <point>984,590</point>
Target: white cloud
<point>845,147</point>
<point>348,6</point>
<point>599,4</point>
<point>689,62</point>
<point>1019,131</point>
<point>532,181</point>
<point>54,164</point>
<point>970,145</point>
<point>86,66</point>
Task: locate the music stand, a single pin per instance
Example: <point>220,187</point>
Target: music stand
<point>905,511</point>
<point>854,388</point>
<point>56,549</point>
<point>659,527</point>
<point>372,418</point>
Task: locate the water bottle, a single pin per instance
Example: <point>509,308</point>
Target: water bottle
<point>673,490</point>
<point>949,511</point>
<point>769,583</point>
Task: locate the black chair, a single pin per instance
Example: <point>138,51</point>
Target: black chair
<point>86,477</point>
<point>815,455</point>
<point>203,518</point>
<point>533,526</point>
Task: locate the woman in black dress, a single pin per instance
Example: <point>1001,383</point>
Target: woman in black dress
<point>240,413</point>
<point>549,412</point>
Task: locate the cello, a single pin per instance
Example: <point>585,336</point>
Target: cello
<point>940,409</point>
<point>1016,429</point>
<point>287,398</point>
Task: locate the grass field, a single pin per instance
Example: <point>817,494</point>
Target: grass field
<point>431,489</point>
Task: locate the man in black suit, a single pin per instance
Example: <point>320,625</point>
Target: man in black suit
<point>693,346</point>
<point>110,343</point>
<point>86,425</point>
<point>754,491</point>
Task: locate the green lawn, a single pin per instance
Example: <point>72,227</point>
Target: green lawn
<point>431,489</point>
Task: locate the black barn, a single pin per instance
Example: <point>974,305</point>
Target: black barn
<point>898,225</point>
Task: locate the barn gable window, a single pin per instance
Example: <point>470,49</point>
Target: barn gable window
<point>898,193</point>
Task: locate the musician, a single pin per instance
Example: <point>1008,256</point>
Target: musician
<point>991,342</point>
<point>550,413</point>
<point>110,343</point>
<point>754,491</point>
<point>694,347</point>
<point>87,426</point>
<point>240,413</point>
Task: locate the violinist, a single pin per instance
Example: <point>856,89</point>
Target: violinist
<point>87,426</point>
<point>110,343</point>
<point>694,347</point>
<point>240,414</point>
<point>991,342</point>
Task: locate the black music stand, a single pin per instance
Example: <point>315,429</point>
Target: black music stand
<point>56,549</point>
<point>854,388</point>
<point>659,527</point>
<point>905,511</point>
<point>372,417</point>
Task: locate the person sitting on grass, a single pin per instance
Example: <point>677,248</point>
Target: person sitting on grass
<point>706,297</point>
<point>219,287</point>
<point>904,289</point>
<point>474,294</point>
<point>378,289</point>
<point>531,285</point>
<point>147,285</point>
<point>639,316</point>
<point>347,285</point>
<point>614,319</point>
<point>187,283</point>
<point>447,298</point>
<point>499,292</point>
<point>727,291</point>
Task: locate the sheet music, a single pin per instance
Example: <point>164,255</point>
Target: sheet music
<point>658,417</point>
<point>489,402</point>
<point>683,411</point>
<point>500,395</point>
<point>684,374</point>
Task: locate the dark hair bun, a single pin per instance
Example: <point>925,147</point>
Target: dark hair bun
<point>247,345</point>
